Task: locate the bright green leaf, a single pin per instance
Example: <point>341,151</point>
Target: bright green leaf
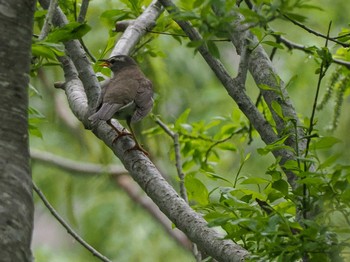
<point>73,30</point>
<point>281,185</point>
<point>277,108</point>
<point>273,44</point>
<point>196,190</point>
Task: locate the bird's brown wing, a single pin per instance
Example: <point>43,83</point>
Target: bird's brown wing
<point>121,89</point>
<point>143,100</point>
<point>106,112</point>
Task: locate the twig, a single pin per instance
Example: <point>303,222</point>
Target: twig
<point>327,37</point>
<point>222,141</point>
<point>83,11</point>
<point>322,73</point>
<point>139,166</point>
<point>178,161</point>
<point>121,177</point>
<point>180,173</point>
<point>70,231</point>
<point>76,166</point>
<point>291,45</point>
<point>48,20</point>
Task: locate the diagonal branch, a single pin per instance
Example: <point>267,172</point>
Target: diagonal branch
<point>263,72</point>
<point>139,166</point>
<point>67,227</point>
<point>81,63</point>
<point>119,175</point>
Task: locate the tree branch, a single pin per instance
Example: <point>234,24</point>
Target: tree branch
<point>137,29</point>
<point>82,65</point>
<point>178,162</point>
<point>307,29</point>
<point>263,73</point>
<point>48,20</point>
<point>76,167</point>
<point>120,176</point>
<point>70,230</point>
<point>139,166</point>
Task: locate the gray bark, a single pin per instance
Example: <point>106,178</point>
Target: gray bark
<point>16,201</point>
<point>140,167</point>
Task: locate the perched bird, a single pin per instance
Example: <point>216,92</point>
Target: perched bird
<point>128,95</point>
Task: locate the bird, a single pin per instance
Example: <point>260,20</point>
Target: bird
<point>128,95</point>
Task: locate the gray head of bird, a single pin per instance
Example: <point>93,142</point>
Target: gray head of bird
<point>115,63</point>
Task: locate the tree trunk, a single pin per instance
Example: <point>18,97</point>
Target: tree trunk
<point>16,200</point>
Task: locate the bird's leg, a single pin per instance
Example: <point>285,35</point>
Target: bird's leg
<point>120,133</point>
<point>137,146</point>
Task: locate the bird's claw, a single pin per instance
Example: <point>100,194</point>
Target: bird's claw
<point>138,147</point>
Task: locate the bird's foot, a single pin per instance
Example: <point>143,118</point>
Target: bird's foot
<point>125,133</point>
<point>138,147</point>
<point>120,133</point>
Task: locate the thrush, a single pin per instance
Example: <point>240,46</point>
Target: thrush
<point>128,95</point>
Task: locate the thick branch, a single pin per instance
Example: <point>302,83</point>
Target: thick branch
<point>121,178</point>
<point>81,62</point>
<point>263,73</point>
<point>139,166</point>
<point>137,29</point>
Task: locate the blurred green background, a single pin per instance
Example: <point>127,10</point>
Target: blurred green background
<point>99,210</point>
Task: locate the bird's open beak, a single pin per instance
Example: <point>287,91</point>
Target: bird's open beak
<point>104,62</point>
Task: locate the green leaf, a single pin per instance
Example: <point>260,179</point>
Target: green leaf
<point>269,88</point>
<point>33,91</point>
<point>115,15</point>
<point>278,144</point>
<point>43,51</point>
<point>195,44</point>
<point>73,30</point>
<point>182,119</point>
<point>273,44</point>
<point>281,185</point>
<point>196,190</point>
<point>215,176</point>
<point>34,130</point>
<point>326,142</point>
<point>213,49</point>
<point>297,17</point>
<point>277,108</point>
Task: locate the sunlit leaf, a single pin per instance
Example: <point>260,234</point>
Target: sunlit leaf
<point>196,190</point>
<point>73,30</point>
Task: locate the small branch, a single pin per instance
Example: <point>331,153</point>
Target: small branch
<point>73,88</point>
<point>241,98</point>
<point>222,141</point>
<point>77,167</point>
<point>81,63</point>
<point>291,45</point>
<point>140,166</point>
<point>48,20</point>
<point>323,69</point>
<point>333,39</point>
<point>121,177</point>
<point>180,173</point>
<point>178,161</point>
<point>243,66</point>
<point>134,192</point>
<point>83,10</point>
<point>70,231</point>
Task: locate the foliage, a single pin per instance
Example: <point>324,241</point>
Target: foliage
<point>229,176</point>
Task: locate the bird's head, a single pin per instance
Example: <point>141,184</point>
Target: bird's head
<point>115,63</point>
